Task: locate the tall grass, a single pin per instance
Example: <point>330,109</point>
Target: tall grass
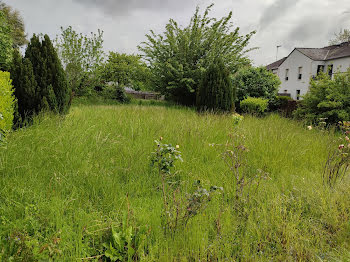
<point>65,181</point>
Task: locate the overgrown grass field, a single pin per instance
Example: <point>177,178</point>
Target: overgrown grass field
<point>64,182</point>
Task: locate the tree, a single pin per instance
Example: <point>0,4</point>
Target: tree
<point>216,92</point>
<point>178,57</point>
<point>81,55</point>
<point>16,24</point>
<point>341,37</point>
<point>55,78</point>
<point>39,79</point>
<point>5,42</point>
<point>23,79</point>
<point>256,82</point>
<point>327,99</point>
<point>126,70</point>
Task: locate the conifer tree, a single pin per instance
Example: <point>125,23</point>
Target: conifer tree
<point>39,79</point>
<point>58,92</point>
<point>216,92</point>
<point>49,74</point>
<point>25,85</point>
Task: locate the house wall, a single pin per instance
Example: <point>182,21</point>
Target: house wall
<point>295,60</point>
<point>340,65</point>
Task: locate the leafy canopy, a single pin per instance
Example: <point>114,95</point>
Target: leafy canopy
<point>178,57</point>
<point>5,42</point>
<point>327,98</point>
<point>341,37</point>
<point>80,54</point>
<point>16,25</point>
<point>256,82</point>
<point>126,70</point>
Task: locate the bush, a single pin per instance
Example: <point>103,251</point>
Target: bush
<point>327,98</point>
<point>253,105</point>
<point>279,103</point>
<point>7,103</point>
<point>256,82</point>
<point>115,92</point>
<point>216,92</point>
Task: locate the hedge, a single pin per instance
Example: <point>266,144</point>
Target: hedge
<point>7,103</point>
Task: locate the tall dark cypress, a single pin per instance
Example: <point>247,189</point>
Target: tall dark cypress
<point>56,77</point>
<point>25,85</point>
<point>35,56</point>
<point>216,92</point>
<point>51,81</point>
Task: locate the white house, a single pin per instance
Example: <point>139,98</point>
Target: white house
<point>302,64</point>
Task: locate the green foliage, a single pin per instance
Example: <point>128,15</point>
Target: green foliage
<point>327,98</point>
<point>256,82</point>
<point>49,74</point>
<point>178,57</point>
<point>254,105</point>
<point>23,78</point>
<point>177,209</point>
<point>115,92</point>
<point>341,37</point>
<point>5,42</point>
<point>126,70</point>
<point>81,56</point>
<point>7,103</point>
<point>16,24</point>
<point>216,92</point>
<point>39,80</point>
<point>127,243</point>
<point>338,162</point>
<point>279,103</point>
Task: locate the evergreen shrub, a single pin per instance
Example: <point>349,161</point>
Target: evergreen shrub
<point>216,92</point>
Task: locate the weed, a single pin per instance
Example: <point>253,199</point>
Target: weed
<point>338,162</point>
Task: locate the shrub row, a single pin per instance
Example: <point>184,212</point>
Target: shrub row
<point>7,103</point>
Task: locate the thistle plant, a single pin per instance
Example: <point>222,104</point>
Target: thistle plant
<point>338,162</point>
<point>235,157</point>
<point>178,207</point>
<point>164,159</point>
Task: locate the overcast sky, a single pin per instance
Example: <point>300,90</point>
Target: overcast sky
<point>290,23</point>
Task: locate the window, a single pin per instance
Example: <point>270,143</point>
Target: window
<point>300,72</point>
<point>298,94</point>
<point>330,70</point>
<point>287,74</point>
<point>320,68</point>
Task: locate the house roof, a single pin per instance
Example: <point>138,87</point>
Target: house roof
<point>319,54</point>
<point>276,64</point>
<point>328,52</point>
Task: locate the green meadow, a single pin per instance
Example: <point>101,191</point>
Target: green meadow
<point>66,181</point>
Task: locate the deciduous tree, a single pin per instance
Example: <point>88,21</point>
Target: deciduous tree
<point>5,42</point>
<point>342,36</point>
<point>16,24</point>
<point>81,55</point>
<point>178,57</point>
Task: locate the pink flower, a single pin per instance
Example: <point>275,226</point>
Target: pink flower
<point>341,147</point>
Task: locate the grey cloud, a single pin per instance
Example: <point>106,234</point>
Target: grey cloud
<point>315,29</point>
<point>275,11</point>
<point>308,27</point>
<point>125,7</point>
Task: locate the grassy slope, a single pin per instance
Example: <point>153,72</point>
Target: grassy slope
<point>63,182</point>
